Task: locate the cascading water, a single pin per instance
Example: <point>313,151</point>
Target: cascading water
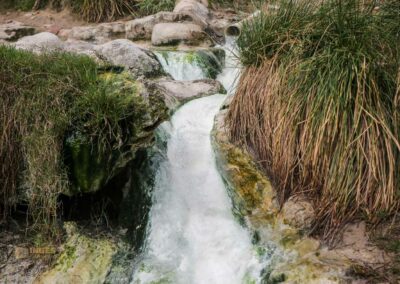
<point>193,236</point>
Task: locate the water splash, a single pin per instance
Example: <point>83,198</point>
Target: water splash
<point>193,236</point>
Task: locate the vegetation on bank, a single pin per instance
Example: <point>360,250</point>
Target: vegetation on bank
<point>319,104</point>
<point>109,10</point>
<point>44,100</point>
<point>96,10</point>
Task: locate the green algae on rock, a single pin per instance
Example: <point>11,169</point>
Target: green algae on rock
<point>210,60</point>
<point>294,258</point>
<point>93,162</point>
<point>83,259</point>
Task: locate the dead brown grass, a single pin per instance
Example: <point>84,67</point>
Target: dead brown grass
<point>343,155</point>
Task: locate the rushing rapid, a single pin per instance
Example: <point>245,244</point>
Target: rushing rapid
<point>193,236</point>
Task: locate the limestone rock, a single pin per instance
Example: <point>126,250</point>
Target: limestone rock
<point>123,52</point>
<point>197,10</point>
<point>174,33</point>
<point>80,47</point>
<point>91,168</point>
<point>41,42</point>
<point>179,92</point>
<point>98,33</point>
<point>298,213</point>
<point>83,260</point>
<point>13,30</point>
<point>142,28</point>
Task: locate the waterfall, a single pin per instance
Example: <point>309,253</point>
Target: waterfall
<point>192,235</point>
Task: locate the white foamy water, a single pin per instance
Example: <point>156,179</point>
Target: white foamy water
<point>178,66</point>
<point>193,236</point>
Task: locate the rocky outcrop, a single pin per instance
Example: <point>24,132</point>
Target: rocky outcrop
<point>122,52</point>
<point>175,33</point>
<point>41,42</point>
<point>12,31</point>
<point>90,169</point>
<point>294,258</point>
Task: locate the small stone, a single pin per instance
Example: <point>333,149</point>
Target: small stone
<point>299,213</point>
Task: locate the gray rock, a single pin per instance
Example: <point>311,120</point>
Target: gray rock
<point>13,30</point>
<point>98,33</point>
<point>41,42</point>
<point>174,33</point>
<point>179,92</point>
<point>123,52</point>
<point>142,28</point>
<point>197,10</point>
<point>80,47</point>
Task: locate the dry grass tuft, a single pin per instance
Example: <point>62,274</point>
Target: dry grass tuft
<point>321,110</point>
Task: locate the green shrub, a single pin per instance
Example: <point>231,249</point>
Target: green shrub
<point>319,104</point>
<point>44,98</point>
<point>24,5</point>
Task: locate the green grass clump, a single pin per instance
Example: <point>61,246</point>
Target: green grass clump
<point>149,7</point>
<point>24,5</point>
<point>319,103</point>
<point>43,99</point>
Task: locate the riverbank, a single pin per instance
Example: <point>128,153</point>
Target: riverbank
<point>106,211</point>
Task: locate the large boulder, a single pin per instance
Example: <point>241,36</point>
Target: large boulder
<point>13,30</point>
<point>175,33</point>
<point>41,42</point>
<point>91,168</point>
<point>142,28</point>
<point>123,52</point>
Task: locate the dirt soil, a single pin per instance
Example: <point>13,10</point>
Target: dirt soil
<point>43,20</point>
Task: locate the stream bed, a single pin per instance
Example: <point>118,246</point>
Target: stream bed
<point>192,235</point>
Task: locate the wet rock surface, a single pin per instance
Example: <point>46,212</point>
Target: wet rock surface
<point>179,92</point>
<point>295,258</point>
<point>82,259</point>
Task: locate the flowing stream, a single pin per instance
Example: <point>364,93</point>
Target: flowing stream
<point>192,235</point>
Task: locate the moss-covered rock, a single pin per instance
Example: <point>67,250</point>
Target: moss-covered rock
<point>92,165</point>
<point>294,258</point>
<point>83,259</point>
<point>209,60</point>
